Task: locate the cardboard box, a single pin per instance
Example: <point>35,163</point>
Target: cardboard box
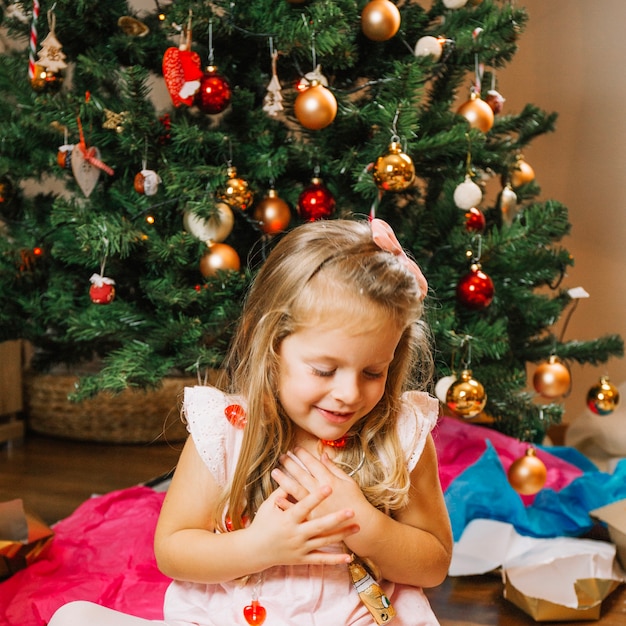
<point>614,515</point>
<point>23,537</point>
<point>559,579</point>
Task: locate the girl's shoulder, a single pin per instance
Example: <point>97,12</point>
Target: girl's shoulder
<point>212,421</point>
<point>419,413</point>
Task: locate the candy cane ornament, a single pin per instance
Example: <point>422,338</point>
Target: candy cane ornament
<point>33,40</point>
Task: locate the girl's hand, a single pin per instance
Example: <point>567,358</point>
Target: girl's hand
<point>304,474</point>
<point>289,535</point>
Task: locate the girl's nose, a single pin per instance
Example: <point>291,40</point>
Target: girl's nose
<point>347,388</point>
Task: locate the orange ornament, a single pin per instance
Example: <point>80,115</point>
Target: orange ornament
<point>552,378</point>
<point>527,475</point>
<point>380,20</point>
<point>315,107</point>
<point>219,257</point>
<point>272,213</point>
<point>478,113</point>
<point>522,173</point>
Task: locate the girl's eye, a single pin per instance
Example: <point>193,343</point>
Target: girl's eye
<point>373,375</point>
<point>323,373</point>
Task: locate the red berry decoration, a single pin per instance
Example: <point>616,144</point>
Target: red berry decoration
<point>102,290</point>
<point>475,290</point>
<point>475,221</point>
<point>316,202</point>
<point>236,415</point>
<point>214,94</point>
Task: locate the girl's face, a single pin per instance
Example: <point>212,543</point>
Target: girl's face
<point>329,378</point>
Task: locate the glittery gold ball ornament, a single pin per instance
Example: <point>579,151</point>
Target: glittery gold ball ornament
<point>552,378</point>
<point>316,106</point>
<point>380,20</point>
<point>236,192</point>
<point>219,257</point>
<point>272,213</point>
<point>477,112</point>
<point>603,397</point>
<point>527,475</point>
<point>466,396</point>
<point>394,171</point>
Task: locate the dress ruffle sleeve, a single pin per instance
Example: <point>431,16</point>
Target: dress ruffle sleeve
<point>419,415</point>
<point>216,440</point>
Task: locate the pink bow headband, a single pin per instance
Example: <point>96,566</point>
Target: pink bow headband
<point>385,239</point>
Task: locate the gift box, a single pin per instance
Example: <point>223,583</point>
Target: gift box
<point>558,579</point>
<point>614,516</point>
<point>23,537</point>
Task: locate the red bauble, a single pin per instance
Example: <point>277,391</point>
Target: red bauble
<point>316,202</point>
<point>272,213</point>
<point>102,289</point>
<point>214,94</point>
<point>475,221</point>
<point>475,290</point>
<point>219,257</point>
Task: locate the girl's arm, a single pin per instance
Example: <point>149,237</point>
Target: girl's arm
<point>187,548</point>
<point>414,547</point>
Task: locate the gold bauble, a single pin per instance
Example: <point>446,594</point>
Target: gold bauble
<point>552,378</point>
<point>215,228</point>
<point>380,20</point>
<point>236,192</point>
<point>272,213</point>
<point>219,257</point>
<point>46,81</point>
<point>315,107</point>
<point>466,396</point>
<point>477,112</point>
<point>603,397</point>
<point>522,174</point>
<point>394,171</point>
<point>527,475</point>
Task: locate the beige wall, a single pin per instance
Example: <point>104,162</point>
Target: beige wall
<point>571,60</point>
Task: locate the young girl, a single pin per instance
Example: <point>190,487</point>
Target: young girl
<point>318,465</point>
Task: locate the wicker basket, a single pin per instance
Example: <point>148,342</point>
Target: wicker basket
<point>132,416</point>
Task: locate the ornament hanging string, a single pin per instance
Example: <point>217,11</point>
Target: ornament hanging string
<point>32,44</point>
<point>479,67</point>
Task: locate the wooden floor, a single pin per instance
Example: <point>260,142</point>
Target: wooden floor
<point>54,476</point>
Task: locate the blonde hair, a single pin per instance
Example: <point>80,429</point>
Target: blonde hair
<point>324,272</point>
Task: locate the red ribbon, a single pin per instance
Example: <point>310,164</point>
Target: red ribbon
<point>90,153</point>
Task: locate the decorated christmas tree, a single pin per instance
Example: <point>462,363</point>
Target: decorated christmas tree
<point>132,223</point>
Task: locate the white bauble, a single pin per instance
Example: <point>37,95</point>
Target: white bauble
<point>429,46</point>
<point>468,194</point>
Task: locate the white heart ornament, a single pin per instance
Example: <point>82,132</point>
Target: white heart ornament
<point>85,173</point>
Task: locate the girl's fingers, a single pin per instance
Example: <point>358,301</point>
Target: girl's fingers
<point>291,486</point>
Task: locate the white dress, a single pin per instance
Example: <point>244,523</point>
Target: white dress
<point>303,595</point>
